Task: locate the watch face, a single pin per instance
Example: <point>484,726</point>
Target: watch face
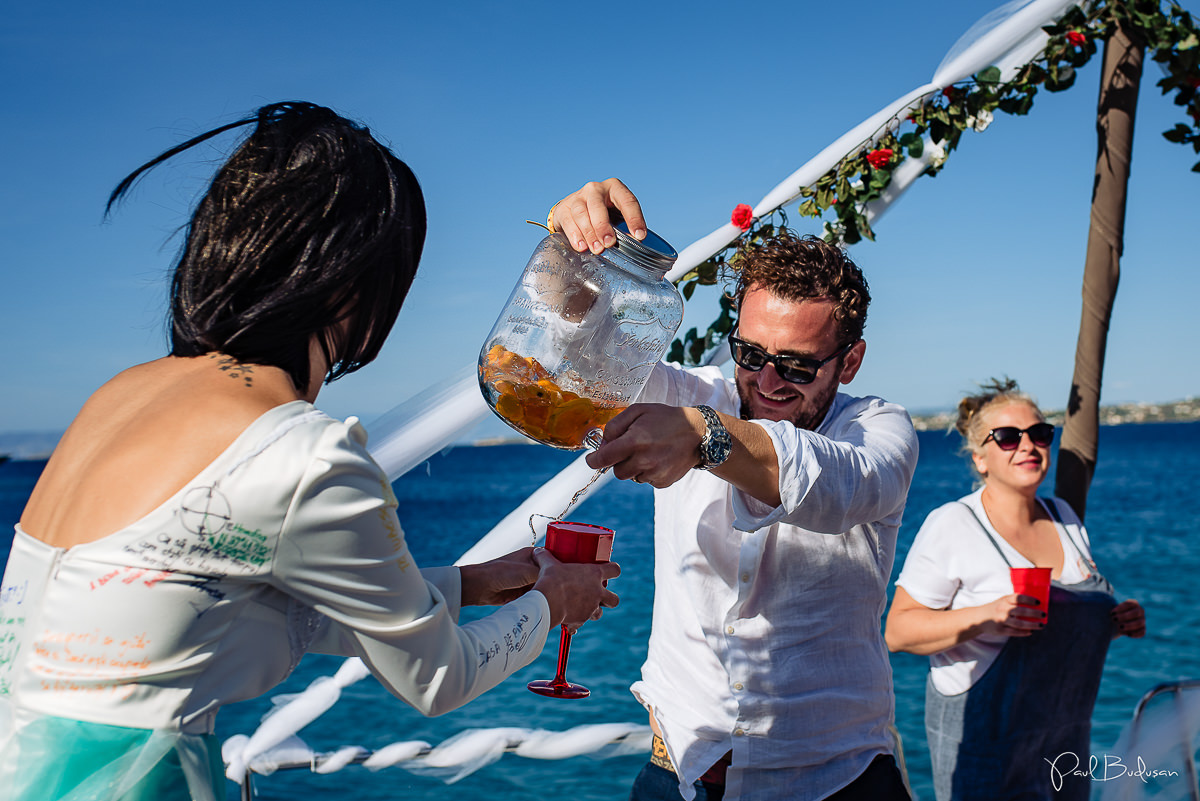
<point>717,447</point>
<point>717,444</point>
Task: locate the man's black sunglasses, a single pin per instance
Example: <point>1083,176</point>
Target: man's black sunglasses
<point>1007,438</point>
<point>796,369</point>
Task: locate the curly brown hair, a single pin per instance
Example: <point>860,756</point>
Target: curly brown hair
<point>796,267</point>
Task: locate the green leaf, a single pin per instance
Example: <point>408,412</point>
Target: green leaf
<point>937,130</point>
<point>866,228</point>
<point>1012,105</point>
<point>675,353</point>
<point>1178,134</point>
<point>916,148</point>
<point>951,142</point>
<point>850,235</point>
<point>688,290</point>
<point>988,76</point>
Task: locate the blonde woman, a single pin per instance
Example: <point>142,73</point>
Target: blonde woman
<point>1011,686</point>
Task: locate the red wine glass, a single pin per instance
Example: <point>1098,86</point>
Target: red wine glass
<point>576,543</point>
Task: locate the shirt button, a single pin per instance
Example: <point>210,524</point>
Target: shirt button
<point>738,733</point>
<point>729,629</point>
<point>738,686</point>
<point>745,577</point>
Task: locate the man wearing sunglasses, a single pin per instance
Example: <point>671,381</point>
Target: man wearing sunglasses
<point>777,505</point>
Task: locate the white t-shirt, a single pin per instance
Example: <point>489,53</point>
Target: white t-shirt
<point>952,565</point>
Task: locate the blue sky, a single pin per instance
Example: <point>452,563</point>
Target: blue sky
<point>503,108</point>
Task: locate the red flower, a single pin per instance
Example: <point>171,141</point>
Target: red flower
<point>948,92</point>
<point>1076,39</point>
<point>879,158</point>
<point>1195,82</point>
<point>742,217</point>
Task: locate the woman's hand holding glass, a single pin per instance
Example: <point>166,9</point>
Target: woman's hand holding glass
<point>576,592</point>
<point>499,580</point>
<point>1012,615</point>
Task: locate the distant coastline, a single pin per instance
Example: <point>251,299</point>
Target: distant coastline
<point>1182,411</point>
<point>38,445</point>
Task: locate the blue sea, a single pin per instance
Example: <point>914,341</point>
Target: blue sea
<point>1139,519</point>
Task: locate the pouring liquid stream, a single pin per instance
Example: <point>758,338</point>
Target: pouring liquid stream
<point>593,440</point>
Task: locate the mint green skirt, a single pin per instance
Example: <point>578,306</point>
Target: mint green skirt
<point>57,759</point>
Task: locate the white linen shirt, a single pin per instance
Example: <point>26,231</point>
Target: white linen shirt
<point>766,638</point>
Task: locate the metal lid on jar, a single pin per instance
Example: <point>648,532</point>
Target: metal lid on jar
<point>652,253</point>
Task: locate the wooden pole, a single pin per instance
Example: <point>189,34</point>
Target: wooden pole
<point>1119,81</point>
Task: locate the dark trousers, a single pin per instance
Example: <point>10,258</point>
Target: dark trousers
<point>659,784</point>
<point>881,781</point>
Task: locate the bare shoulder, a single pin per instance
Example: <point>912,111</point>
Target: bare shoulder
<point>141,437</point>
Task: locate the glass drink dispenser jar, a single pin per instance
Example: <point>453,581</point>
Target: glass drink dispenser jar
<point>579,336</point>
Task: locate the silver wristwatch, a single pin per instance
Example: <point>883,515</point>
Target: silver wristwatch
<point>716,444</point>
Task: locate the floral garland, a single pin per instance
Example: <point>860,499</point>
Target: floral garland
<point>862,176</point>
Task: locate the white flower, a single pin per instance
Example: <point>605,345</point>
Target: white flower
<point>936,154</point>
<point>981,122</point>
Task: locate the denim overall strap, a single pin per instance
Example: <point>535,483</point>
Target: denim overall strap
<point>1096,579</point>
<point>1018,731</point>
<point>988,534</point>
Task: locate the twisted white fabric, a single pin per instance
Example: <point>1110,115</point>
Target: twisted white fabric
<point>462,754</point>
<point>284,721</point>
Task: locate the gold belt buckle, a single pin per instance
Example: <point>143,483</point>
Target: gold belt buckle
<point>659,755</point>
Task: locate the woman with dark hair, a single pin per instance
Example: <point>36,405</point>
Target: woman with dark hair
<point>200,526</point>
<point>1008,704</point>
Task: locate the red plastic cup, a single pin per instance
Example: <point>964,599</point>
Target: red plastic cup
<point>579,543</point>
<point>1034,581</point>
